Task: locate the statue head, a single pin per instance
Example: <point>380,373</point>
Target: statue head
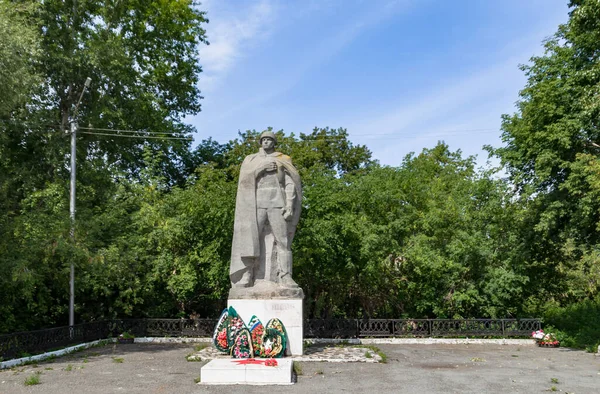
<point>267,134</point>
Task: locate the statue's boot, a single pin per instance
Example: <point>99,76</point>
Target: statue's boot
<point>285,276</point>
<point>246,279</point>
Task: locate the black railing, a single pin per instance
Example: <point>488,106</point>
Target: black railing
<point>23,344</point>
<point>391,328</point>
<point>32,342</point>
<point>164,327</point>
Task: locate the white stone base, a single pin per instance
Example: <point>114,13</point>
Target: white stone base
<point>229,371</point>
<point>288,311</point>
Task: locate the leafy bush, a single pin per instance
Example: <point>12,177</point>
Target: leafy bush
<point>576,325</point>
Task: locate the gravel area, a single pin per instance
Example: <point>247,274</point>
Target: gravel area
<point>438,368</point>
<point>328,353</point>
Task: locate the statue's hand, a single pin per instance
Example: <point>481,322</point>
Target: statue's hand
<point>270,166</point>
<point>287,214</point>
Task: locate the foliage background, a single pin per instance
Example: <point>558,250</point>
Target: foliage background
<point>433,237</point>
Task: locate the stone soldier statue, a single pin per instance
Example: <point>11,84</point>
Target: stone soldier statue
<point>266,214</point>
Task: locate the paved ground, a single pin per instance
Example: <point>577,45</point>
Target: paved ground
<point>162,368</point>
<point>315,353</point>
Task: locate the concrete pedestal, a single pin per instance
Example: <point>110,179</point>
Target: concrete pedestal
<point>235,371</point>
<point>289,311</point>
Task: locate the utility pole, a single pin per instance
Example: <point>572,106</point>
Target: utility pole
<point>74,127</point>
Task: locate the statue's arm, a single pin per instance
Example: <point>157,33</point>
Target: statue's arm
<point>290,191</point>
<point>290,196</point>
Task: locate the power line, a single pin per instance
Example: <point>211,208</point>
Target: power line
<point>137,136</point>
<point>336,138</point>
<point>30,124</point>
<point>53,126</point>
<point>397,135</point>
<point>129,131</point>
<point>388,136</point>
<point>167,135</point>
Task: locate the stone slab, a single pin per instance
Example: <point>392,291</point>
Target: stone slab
<point>288,311</point>
<point>265,290</point>
<point>230,371</point>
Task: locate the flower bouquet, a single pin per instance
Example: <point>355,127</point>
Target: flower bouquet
<point>545,340</point>
<point>125,337</point>
<point>271,362</point>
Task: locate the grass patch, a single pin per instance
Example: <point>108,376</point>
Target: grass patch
<point>297,368</point>
<point>191,357</point>
<point>52,357</point>
<point>375,350</point>
<point>118,360</point>
<point>554,380</point>
<point>306,345</point>
<point>343,343</point>
<point>319,372</point>
<point>69,368</point>
<point>49,369</point>
<point>33,363</point>
<point>197,380</point>
<point>477,360</point>
<point>200,346</point>
<point>101,343</point>
<point>32,380</point>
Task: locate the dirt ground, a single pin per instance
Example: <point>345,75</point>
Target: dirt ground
<point>162,368</point>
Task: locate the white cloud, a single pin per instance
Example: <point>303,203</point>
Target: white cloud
<point>472,98</point>
<point>441,100</point>
<point>321,52</point>
<point>463,112</point>
<point>231,32</point>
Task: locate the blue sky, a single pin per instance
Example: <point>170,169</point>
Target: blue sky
<point>398,75</point>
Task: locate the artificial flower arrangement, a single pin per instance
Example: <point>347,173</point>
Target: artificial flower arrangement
<point>545,339</point>
<point>271,362</point>
<point>232,336</point>
<point>125,337</point>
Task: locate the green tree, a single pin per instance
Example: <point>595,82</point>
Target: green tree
<point>431,238</point>
<point>143,61</point>
<point>551,153</point>
<point>458,254</point>
<point>18,53</point>
<point>142,58</point>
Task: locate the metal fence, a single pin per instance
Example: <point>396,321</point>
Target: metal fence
<point>32,342</point>
<point>22,344</point>
<point>391,328</point>
<point>164,327</point>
